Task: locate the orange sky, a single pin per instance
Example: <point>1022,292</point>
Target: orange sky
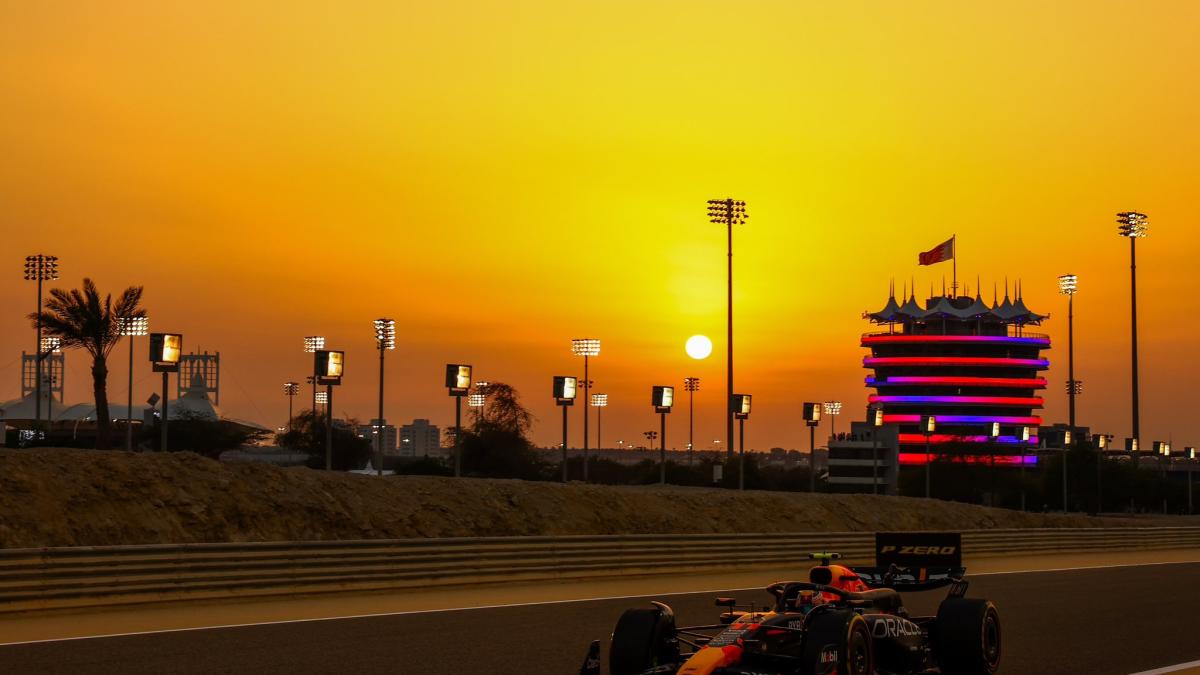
<point>503,176</point>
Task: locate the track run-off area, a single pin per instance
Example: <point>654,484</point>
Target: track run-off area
<point>1116,614</point>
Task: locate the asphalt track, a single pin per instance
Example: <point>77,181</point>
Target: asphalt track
<point>1102,621</point>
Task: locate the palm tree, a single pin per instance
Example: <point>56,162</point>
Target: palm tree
<point>82,320</point>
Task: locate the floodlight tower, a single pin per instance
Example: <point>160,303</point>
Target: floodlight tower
<point>1134,226</point>
<point>313,344</point>
<point>833,409</point>
<point>691,385</point>
<point>39,268</point>
<point>728,212</point>
<point>599,402</point>
<point>131,327</point>
<point>290,389</point>
<point>1067,285</point>
<point>585,347</point>
<point>385,339</point>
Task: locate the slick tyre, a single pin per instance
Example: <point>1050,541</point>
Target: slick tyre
<point>967,637</point>
<point>643,639</point>
<point>838,642</point>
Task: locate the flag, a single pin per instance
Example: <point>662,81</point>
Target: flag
<point>940,253</point>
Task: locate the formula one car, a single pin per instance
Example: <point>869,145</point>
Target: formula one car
<point>842,621</point>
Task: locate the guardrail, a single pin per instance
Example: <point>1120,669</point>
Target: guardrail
<point>73,577</point>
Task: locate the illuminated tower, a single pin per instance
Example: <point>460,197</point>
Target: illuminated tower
<point>966,363</point>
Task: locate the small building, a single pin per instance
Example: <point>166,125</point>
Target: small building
<point>421,439</point>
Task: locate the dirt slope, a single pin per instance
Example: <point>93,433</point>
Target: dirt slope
<point>76,498</point>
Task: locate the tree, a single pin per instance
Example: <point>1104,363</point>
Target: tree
<point>82,321</point>
<point>496,445</point>
<point>191,432</point>
<point>306,434</point>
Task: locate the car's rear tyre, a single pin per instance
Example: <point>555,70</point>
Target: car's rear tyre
<point>838,641</point>
<point>967,637</point>
<point>643,639</point>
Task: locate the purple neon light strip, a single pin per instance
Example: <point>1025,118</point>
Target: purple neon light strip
<point>930,381</point>
<point>919,339</point>
<point>955,361</point>
<point>1035,401</point>
<point>941,439</point>
<point>964,419</point>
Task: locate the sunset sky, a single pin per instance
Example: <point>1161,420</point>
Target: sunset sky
<point>500,177</point>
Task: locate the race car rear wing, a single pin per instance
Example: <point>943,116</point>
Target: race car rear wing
<point>914,561</point>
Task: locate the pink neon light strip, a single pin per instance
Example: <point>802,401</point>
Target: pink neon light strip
<point>912,458</point>
<point>876,361</point>
<point>1034,401</point>
<point>929,339</point>
<point>1015,382</point>
<point>936,439</point>
<point>965,419</point>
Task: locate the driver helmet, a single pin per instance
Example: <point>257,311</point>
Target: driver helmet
<point>806,601</point>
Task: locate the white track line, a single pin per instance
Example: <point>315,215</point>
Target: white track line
<point>541,602</point>
<point>1170,669</point>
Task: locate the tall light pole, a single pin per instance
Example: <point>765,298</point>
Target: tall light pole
<point>385,339</point>
<point>741,410</point>
<point>166,349</point>
<point>1134,226</point>
<point>565,392</point>
<point>131,327</point>
<point>328,368</point>
<point>1101,442</point>
<point>585,347</point>
<point>812,417</point>
<point>876,425</point>
<point>728,212</point>
<point>1067,285</point>
<point>39,268</point>
<point>691,385</point>
<point>458,385</point>
<point>833,409</point>
<point>290,389</point>
<point>663,398</point>
<point>928,426</point>
<point>1024,441</point>
<point>313,344</point>
<point>599,402</point>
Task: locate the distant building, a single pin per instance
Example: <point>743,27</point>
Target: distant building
<point>390,448</point>
<point>420,439</point>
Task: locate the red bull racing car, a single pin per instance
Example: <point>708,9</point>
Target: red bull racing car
<point>841,621</point>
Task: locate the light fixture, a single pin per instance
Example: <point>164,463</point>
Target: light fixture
<point>741,406</point>
<point>1132,224</point>
<point>291,388</point>
<point>314,343</point>
<point>322,397</point>
<point>51,345</point>
<point>877,417</point>
<point>477,400</point>
<point>662,398</point>
<point>133,326</point>
<point>833,407</point>
<point>812,413</point>
<point>385,333</point>
<point>995,430</point>
<point>1067,284</point>
<point>328,366</point>
<point>599,400</point>
<point>585,347</point>
<point>565,389</point>
<point>165,351</point>
<point>458,378</point>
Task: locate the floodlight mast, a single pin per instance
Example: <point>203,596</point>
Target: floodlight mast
<point>385,340</point>
<point>728,212</point>
<point>833,409</point>
<point>313,344</point>
<point>691,385</point>
<point>585,347</point>
<point>131,327</point>
<point>1134,226</point>
<point>39,268</point>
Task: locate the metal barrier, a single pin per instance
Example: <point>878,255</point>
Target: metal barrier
<point>72,577</point>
